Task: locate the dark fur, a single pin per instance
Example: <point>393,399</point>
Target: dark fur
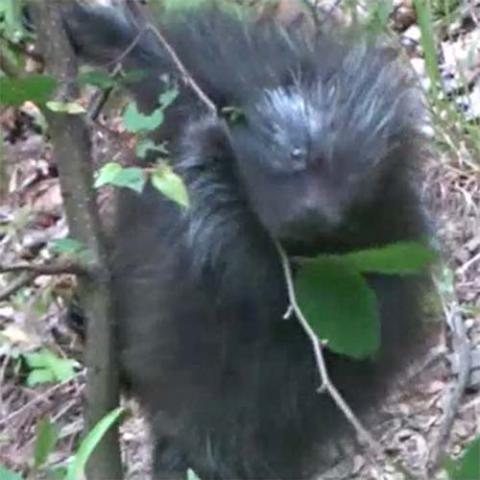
<point>324,161</point>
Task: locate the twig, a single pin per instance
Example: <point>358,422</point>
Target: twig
<point>463,269</point>
<point>42,397</point>
<point>187,78</point>
<point>20,282</point>
<point>461,347</point>
<point>99,101</point>
<point>326,384</point>
<point>51,269</point>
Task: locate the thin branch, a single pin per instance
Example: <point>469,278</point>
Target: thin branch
<point>21,281</point>
<point>461,347</point>
<point>72,150</point>
<point>187,78</point>
<point>326,383</point>
<point>39,398</point>
<point>48,269</point>
<point>99,101</point>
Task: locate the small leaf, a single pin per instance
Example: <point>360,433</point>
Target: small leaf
<point>401,258</point>
<point>69,246</point>
<point>378,15</point>
<point>168,97</point>
<point>90,442</point>
<point>46,439</point>
<point>131,177</point>
<point>191,475</point>
<point>39,376</point>
<point>106,174</point>
<point>63,368</point>
<point>6,474</point>
<point>72,108</point>
<point>147,144</point>
<point>339,306</point>
<point>36,359</point>
<point>136,122</point>
<point>166,181</point>
<point>114,174</point>
<point>11,20</point>
<point>34,88</point>
<point>50,366</point>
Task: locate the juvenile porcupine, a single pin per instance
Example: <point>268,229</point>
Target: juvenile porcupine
<point>323,159</point>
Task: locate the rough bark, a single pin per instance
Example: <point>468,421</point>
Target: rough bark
<point>72,150</point>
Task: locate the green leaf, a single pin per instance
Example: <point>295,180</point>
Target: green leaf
<point>378,15</point>
<point>46,439</point>
<point>72,108</point>
<point>147,144</point>
<point>401,258</point>
<point>340,306</point>
<point>427,40</point>
<point>131,177</point>
<point>48,367</point>
<point>167,98</point>
<point>11,25</point>
<point>98,79</point>
<point>191,475</point>
<point>107,174</point>
<point>34,88</point>
<point>468,466</point>
<point>136,122</point>
<point>114,174</point>
<point>166,181</point>
<point>143,147</point>
<point>67,246</point>
<point>89,443</point>
<point>6,474</point>
<point>39,376</point>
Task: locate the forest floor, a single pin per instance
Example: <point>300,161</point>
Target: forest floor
<point>32,314</point>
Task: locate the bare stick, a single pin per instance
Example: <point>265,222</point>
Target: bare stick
<point>461,347</point>
<point>21,281</point>
<point>187,78</point>
<point>47,269</point>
